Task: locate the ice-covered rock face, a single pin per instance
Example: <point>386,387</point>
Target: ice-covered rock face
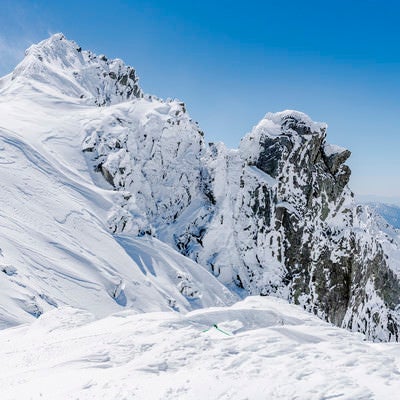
<point>297,229</point>
<point>285,201</point>
<point>61,65</point>
<point>151,151</point>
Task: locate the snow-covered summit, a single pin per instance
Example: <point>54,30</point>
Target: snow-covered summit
<point>289,122</point>
<point>283,131</point>
<point>59,67</point>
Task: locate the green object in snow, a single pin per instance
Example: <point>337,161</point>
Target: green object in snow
<point>216,327</point>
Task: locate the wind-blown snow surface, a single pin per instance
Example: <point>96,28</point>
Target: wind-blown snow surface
<point>270,350</point>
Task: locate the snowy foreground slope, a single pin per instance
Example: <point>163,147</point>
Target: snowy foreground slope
<point>112,200</point>
<point>268,350</point>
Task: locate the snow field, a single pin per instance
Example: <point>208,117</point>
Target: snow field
<point>273,351</point>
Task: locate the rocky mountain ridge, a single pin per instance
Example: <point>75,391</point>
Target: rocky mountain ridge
<point>274,217</point>
<point>390,212</point>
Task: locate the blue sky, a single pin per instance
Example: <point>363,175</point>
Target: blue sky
<point>231,62</point>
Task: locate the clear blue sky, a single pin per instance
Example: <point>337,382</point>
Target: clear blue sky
<point>231,62</point>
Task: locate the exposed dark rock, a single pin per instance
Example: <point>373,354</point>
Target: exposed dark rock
<point>334,161</point>
<point>107,175</point>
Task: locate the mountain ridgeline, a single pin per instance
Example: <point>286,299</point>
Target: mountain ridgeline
<point>273,217</point>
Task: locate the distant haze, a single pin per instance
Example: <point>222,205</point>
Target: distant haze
<point>378,199</point>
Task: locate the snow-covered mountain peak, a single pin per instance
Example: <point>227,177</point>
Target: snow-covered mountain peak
<point>56,43</point>
<point>288,122</point>
<point>294,122</point>
<point>56,50</point>
<point>60,68</point>
<point>280,136</point>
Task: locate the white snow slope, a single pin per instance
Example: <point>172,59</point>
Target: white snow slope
<point>56,245</point>
<point>265,349</point>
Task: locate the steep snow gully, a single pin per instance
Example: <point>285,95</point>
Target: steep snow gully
<point>112,199</point>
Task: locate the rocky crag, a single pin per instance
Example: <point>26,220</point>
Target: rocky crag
<point>274,217</point>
